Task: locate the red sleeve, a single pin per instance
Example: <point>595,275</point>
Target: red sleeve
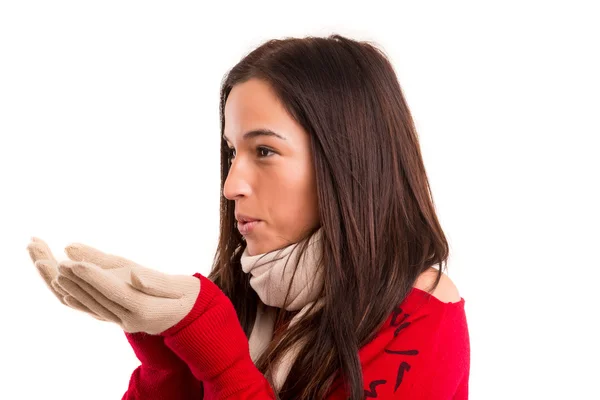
<point>446,357</point>
<point>162,375</point>
<point>213,344</point>
<point>421,353</point>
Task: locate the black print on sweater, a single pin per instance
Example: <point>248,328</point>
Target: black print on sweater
<point>372,392</point>
<point>398,321</point>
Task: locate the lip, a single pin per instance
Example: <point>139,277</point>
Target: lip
<point>246,228</point>
<point>245,218</point>
<point>245,223</point>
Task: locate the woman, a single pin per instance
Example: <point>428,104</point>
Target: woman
<point>323,284</point>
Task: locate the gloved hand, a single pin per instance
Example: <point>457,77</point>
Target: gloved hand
<point>47,266</point>
<point>145,300</point>
<point>139,298</point>
<point>160,370</point>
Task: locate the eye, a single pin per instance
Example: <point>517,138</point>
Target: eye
<point>231,154</point>
<point>264,152</point>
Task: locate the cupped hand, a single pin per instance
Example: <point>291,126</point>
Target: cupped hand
<point>47,266</point>
<point>138,298</point>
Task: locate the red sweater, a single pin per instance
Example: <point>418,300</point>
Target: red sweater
<point>421,352</point>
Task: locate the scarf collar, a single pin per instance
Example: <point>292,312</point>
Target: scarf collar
<point>270,276</point>
<point>272,272</point>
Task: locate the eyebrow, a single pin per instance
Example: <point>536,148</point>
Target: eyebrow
<point>258,132</point>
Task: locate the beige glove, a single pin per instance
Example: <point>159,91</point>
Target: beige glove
<point>142,299</point>
<point>47,266</point>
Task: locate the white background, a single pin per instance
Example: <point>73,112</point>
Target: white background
<point>109,136</point>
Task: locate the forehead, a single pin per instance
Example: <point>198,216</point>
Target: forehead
<point>251,105</point>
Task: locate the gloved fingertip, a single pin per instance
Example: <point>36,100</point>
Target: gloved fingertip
<point>65,266</point>
<point>60,282</point>
<point>74,251</point>
<point>45,266</point>
<point>34,251</point>
<point>46,275</point>
<point>72,302</point>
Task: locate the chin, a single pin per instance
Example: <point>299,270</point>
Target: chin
<point>255,249</point>
<point>251,248</point>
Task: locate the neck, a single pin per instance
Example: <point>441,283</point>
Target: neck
<point>271,277</point>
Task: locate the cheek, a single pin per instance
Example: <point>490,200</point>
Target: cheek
<point>294,204</point>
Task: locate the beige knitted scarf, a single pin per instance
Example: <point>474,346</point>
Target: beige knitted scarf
<point>271,274</point>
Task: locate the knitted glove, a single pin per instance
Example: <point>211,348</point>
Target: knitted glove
<point>161,370</point>
<point>203,331</point>
<point>139,298</point>
<point>47,267</point>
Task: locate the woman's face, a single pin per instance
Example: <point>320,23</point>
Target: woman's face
<point>272,176</point>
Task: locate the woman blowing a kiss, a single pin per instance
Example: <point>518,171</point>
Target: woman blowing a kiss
<point>327,281</point>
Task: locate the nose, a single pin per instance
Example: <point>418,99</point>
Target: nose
<point>236,184</point>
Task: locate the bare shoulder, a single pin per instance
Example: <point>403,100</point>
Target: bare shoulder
<point>445,291</point>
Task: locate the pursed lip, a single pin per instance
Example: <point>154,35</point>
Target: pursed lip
<point>246,225</point>
<point>244,218</point>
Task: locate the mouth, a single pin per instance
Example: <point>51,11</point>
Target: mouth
<point>246,227</point>
<point>245,223</point>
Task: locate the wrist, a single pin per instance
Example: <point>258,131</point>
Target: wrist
<point>210,338</point>
<point>152,351</point>
<point>206,296</point>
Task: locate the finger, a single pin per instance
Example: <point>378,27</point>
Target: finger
<point>74,303</point>
<point>48,272</point>
<point>82,252</point>
<point>66,271</point>
<point>47,269</point>
<point>65,268</point>
<point>94,301</point>
<point>112,287</point>
<point>58,289</point>
<point>39,250</point>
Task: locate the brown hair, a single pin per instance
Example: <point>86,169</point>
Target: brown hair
<point>380,229</point>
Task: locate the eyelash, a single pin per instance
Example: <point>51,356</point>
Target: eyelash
<point>230,155</point>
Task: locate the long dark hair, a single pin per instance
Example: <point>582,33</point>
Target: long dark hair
<point>380,229</point>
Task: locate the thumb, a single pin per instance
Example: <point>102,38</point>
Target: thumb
<point>156,283</point>
<point>82,252</point>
